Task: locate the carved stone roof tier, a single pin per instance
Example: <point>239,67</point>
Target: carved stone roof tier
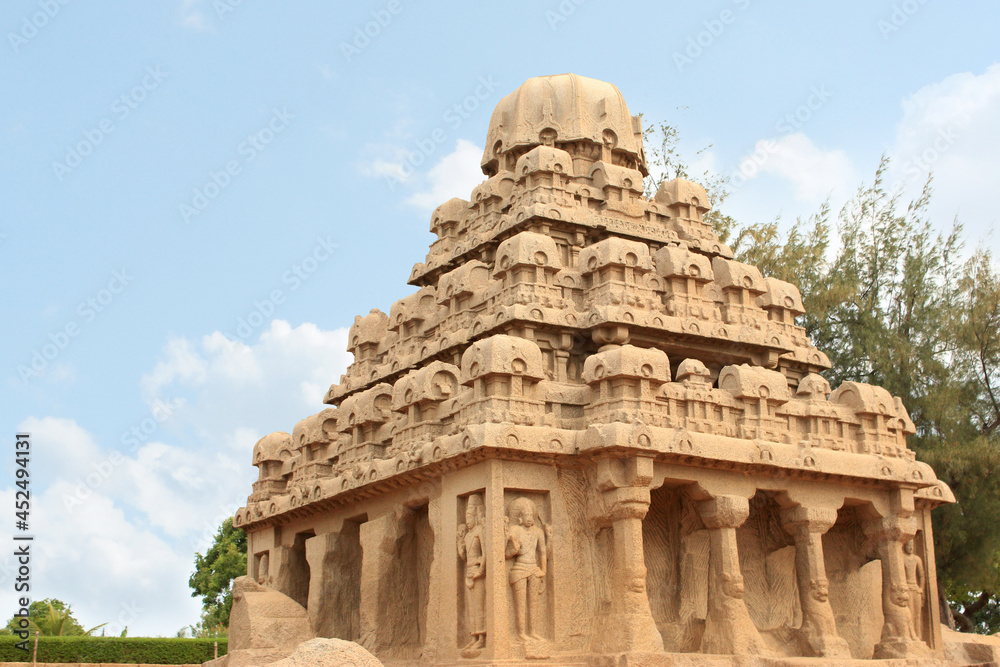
<point>271,447</point>
<point>557,110</point>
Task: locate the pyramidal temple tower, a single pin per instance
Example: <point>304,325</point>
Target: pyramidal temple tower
<point>590,432</point>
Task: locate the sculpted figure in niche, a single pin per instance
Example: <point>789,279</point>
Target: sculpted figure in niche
<point>526,544</point>
<point>915,582</point>
<point>470,550</point>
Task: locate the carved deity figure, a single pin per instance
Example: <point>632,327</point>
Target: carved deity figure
<point>526,544</point>
<point>915,581</point>
<point>470,550</point>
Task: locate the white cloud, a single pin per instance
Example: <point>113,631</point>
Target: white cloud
<point>389,169</point>
<point>791,177</point>
<point>117,526</point>
<point>62,448</point>
<point>815,173</point>
<point>404,161</point>
<point>231,394</point>
<point>454,175</point>
<point>108,567</point>
<point>950,128</point>
<point>390,159</point>
<point>173,487</point>
<point>228,385</point>
<point>192,17</point>
<point>182,364</point>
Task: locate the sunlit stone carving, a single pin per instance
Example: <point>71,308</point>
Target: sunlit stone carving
<point>591,434</point>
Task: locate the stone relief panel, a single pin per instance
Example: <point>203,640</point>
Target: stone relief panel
<point>767,561</point>
<point>855,577</point>
<point>676,551</point>
<point>916,580</point>
<point>528,551</point>
<point>472,572</point>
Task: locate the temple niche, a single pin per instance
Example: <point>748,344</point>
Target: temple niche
<point>591,435</point>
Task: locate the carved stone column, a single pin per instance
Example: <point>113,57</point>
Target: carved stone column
<point>890,532</point>
<point>377,537</point>
<point>819,627</point>
<point>389,589</point>
<point>728,628</point>
<point>321,552</point>
<point>561,350</point>
<point>499,643</point>
<point>630,625</point>
<point>290,573</point>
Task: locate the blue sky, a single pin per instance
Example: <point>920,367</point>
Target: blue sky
<point>198,196</point>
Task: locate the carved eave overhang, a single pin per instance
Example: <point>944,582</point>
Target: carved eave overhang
<point>647,328</point>
<point>574,448</point>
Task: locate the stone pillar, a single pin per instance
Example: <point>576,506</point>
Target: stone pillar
<point>561,350</point>
<point>445,587</point>
<point>290,573</point>
<point>335,582</point>
<point>323,589</point>
<point>931,604</point>
<point>377,537</point>
<point>630,625</point>
<point>728,628</point>
<point>819,627</point>
<point>890,531</point>
<point>389,588</point>
<point>499,643</point>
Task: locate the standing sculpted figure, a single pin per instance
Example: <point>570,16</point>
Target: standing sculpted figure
<point>526,544</point>
<point>470,550</point>
<point>915,581</point>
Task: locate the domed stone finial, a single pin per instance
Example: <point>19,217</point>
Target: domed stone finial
<point>583,116</point>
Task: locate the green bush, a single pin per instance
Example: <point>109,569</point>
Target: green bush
<point>141,650</point>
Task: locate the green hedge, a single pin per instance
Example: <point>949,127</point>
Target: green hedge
<point>141,650</point>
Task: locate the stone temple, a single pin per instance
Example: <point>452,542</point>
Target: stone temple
<point>590,436</point>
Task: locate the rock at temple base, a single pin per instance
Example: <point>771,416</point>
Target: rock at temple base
<point>328,653</point>
<point>264,626</point>
<point>963,648</point>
